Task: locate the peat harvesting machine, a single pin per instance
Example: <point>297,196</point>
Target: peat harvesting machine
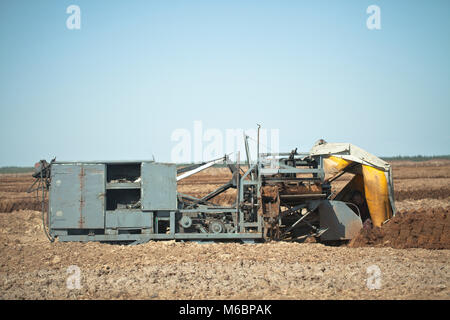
<point>279,196</point>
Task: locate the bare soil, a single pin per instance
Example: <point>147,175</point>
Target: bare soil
<point>426,229</point>
<point>33,268</point>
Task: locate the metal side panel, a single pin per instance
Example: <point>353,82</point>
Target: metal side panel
<point>341,221</point>
<point>128,219</point>
<point>77,196</point>
<point>158,186</point>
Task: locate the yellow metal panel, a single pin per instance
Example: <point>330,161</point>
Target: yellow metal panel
<point>377,195</point>
<point>337,163</point>
<point>332,165</point>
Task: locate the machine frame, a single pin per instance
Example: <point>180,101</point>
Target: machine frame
<point>282,196</point>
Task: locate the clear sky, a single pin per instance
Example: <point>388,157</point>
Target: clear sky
<point>137,70</point>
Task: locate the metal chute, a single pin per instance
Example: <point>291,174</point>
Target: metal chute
<point>373,177</point>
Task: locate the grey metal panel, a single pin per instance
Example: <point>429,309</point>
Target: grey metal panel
<point>65,196</point>
<point>158,186</point>
<point>349,152</point>
<point>77,196</point>
<point>390,182</point>
<point>341,221</point>
<point>128,219</point>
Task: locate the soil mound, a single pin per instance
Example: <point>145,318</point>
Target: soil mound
<point>416,229</point>
<point>10,205</point>
<point>441,193</point>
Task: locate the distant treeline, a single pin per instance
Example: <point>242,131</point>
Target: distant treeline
<point>415,158</point>
<point>220,165</point>
<point>16,169</point>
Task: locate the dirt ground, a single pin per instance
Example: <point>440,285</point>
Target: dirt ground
<point>424,229</point>
<point>33,268</point>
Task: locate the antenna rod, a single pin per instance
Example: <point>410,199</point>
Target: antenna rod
<point>257,145</point>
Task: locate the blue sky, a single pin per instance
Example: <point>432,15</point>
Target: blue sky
<point>137,70</point>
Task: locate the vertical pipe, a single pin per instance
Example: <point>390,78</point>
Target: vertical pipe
<point>247,151</point>
<point>172,224</point>
<point>238,191</point>
<point>257,146</point>
<point>258,185</point>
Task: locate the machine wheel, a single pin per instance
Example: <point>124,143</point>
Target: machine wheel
<point>216,227</point>
<point>185,222</point>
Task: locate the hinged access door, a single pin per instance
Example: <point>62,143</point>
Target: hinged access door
<point>77,196</point>
<point>158,186</point>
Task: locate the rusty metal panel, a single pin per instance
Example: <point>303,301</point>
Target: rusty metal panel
<point>77,196</point>
<point>158,186</point>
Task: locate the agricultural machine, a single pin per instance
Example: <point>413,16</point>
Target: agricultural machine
<point>283,196</point>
